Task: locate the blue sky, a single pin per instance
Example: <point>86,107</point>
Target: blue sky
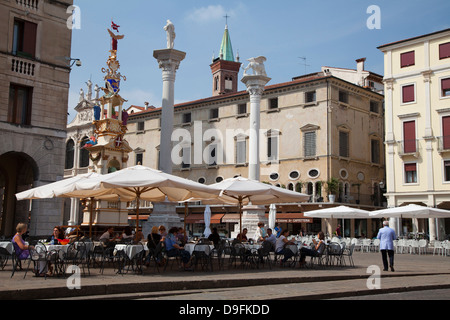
<point>327,32</point>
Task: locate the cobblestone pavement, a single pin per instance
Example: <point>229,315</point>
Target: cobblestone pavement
<point>412,273</point>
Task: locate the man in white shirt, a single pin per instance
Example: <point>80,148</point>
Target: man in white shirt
<point>387,237</point>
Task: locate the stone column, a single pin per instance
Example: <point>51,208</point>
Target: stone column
<point>169,61</point>
<point>255,86</point>
<point>252,214</point>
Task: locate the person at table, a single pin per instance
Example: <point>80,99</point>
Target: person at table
<point>214,237</point>
<point>162,231</point>
<point>153,239</point>
<point>173,249</point>
<point>260,233</point>
<point>127,234</point>
<point>319,245</point>
<point>181,236</point>
<point>108,237</point>
<point>243,236</point>
<point>57,234</point>
<point>280,246</point>
<point>138,237</point>
<point>272,238</point>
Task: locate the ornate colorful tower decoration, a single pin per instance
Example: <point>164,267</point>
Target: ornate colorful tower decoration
<point>110,153</point>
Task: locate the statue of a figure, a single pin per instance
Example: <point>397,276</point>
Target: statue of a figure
<point>257,65</point>
<point>89,92</point>
<point>97,92</point>
<point>97,112</point>
<point>81,95</point>
<point>170,30</point>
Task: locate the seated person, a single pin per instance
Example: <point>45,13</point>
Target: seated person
<point>139,236</point>
<point>181,236</point>
<point>315,251</point>
<point>127,234</point>
<point>57,234</point>
<point>108,237</point>
<point>281,242</point>
<point>272,238</point>
<point>214,237</point>
<point>173,249</point>
<point>242,237</point>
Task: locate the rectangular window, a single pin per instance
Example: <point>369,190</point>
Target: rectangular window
<point>444,50</point>
<point>446,132</point>
<point>344,144</point>
<point>139,159</point>
<point>242,108</point>
<point>309,144</point>
<point>186,163</point>
<point>214,113</point>
<point>24,38</point>
<point>408,93</point>
<point>273,103</point>
<point>272,148</point>
<point>447,171</point>
<point>187,117</point>
<point>374,107</point>
<point>310,97</point>
<point>343,96</point>
<point>375,151</point>
<point>19,107</point>
<point>241,152</point>
<point>140,126</point>
<point>409,136</point>
<point>408,59</point>
<point>410,173</point>
<point>445,87</point>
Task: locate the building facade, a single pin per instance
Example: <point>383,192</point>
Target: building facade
<point>417,88</point>
<point>34,80</point>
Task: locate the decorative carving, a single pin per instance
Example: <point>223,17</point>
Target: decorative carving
<point>257,66</point>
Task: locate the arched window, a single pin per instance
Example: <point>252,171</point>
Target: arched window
<point>70,154</point>
<point>84,154</point>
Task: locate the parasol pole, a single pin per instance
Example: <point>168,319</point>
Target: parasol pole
<point>240,215</point>
<point>91,214</point>
<point>185,216</point>
<point>138,200</point>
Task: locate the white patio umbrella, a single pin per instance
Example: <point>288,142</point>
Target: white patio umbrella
<point>140,183</point>
<point>341,212</point>
<point>243,191</point>
<point>411,211</point>
<point>207,214</point>
<point>272,215</point>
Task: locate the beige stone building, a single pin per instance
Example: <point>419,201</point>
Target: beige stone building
<point>313,128</point>
<point>34,82</point>
<point>417,87</point>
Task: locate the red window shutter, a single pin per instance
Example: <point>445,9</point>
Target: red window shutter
<point>408,59</point>
<point>444,50</point>
<point>410,167</point>
<point>29,38</point>
<point>409,136</point>
<point>446,132</point>
<point>446,84</point>
<point>408,93</point>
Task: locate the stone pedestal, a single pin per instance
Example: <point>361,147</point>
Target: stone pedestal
<point>251,216</point>
<point>164,213</point>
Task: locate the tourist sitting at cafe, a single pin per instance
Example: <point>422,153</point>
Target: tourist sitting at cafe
<point>214,237</point>
<point>271,238</point>
<point>173,249</point>
<point>242,236</point>
<point>181,236</point>
<point>315,250</point>
<point>280,248</point>
<point>260,233</point>
<point>57,234</point>
<point>127,235</point>
<point>108,237</point>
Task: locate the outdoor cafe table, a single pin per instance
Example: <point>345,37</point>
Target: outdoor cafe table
<point>8,246</point>
<point>191,246</point>
<point>130,249</point>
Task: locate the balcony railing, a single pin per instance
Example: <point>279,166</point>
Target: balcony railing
<point>28,4</point>
<point>408,148</point>
<point>23,66</point>
<point>443,144</point>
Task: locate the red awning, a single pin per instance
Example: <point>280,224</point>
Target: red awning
<point>141,217</point>
<point>200,218</point>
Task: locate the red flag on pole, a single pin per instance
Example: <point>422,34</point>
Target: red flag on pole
<point>115,26</point>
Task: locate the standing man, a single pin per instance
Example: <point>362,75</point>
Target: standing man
<point>387,237</point>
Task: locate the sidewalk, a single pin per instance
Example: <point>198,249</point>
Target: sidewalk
<point>411,272</point>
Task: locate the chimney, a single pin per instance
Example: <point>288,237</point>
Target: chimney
<point>360,65</point>
<point>146,105</point>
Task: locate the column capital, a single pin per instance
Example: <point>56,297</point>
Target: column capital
<point>169,58</point>
<point>255,83</point>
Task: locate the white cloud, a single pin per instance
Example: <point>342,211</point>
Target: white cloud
<point>207,14</point>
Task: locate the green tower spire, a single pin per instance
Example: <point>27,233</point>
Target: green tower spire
<point>226,50</point>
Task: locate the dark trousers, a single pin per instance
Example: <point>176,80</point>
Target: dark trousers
<point>287,254</point>
<point>384,254</point>
<point>185,255</point>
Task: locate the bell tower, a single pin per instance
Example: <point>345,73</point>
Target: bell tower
<point>225,69</point>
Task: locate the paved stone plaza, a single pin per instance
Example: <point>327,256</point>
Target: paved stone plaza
<point>413,273</point>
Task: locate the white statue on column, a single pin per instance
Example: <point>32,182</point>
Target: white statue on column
<point>89,92</point>
<point>170,30</point>
<point>257,66</point>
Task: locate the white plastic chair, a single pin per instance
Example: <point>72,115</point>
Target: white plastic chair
<point>366,243</point>
<point>376,245</point>
<point>437,245</point>
<point>413,246</point>
<point>423,246</point>
<point>357,244</point>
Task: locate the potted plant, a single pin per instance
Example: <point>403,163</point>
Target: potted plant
<point>332,189</point>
